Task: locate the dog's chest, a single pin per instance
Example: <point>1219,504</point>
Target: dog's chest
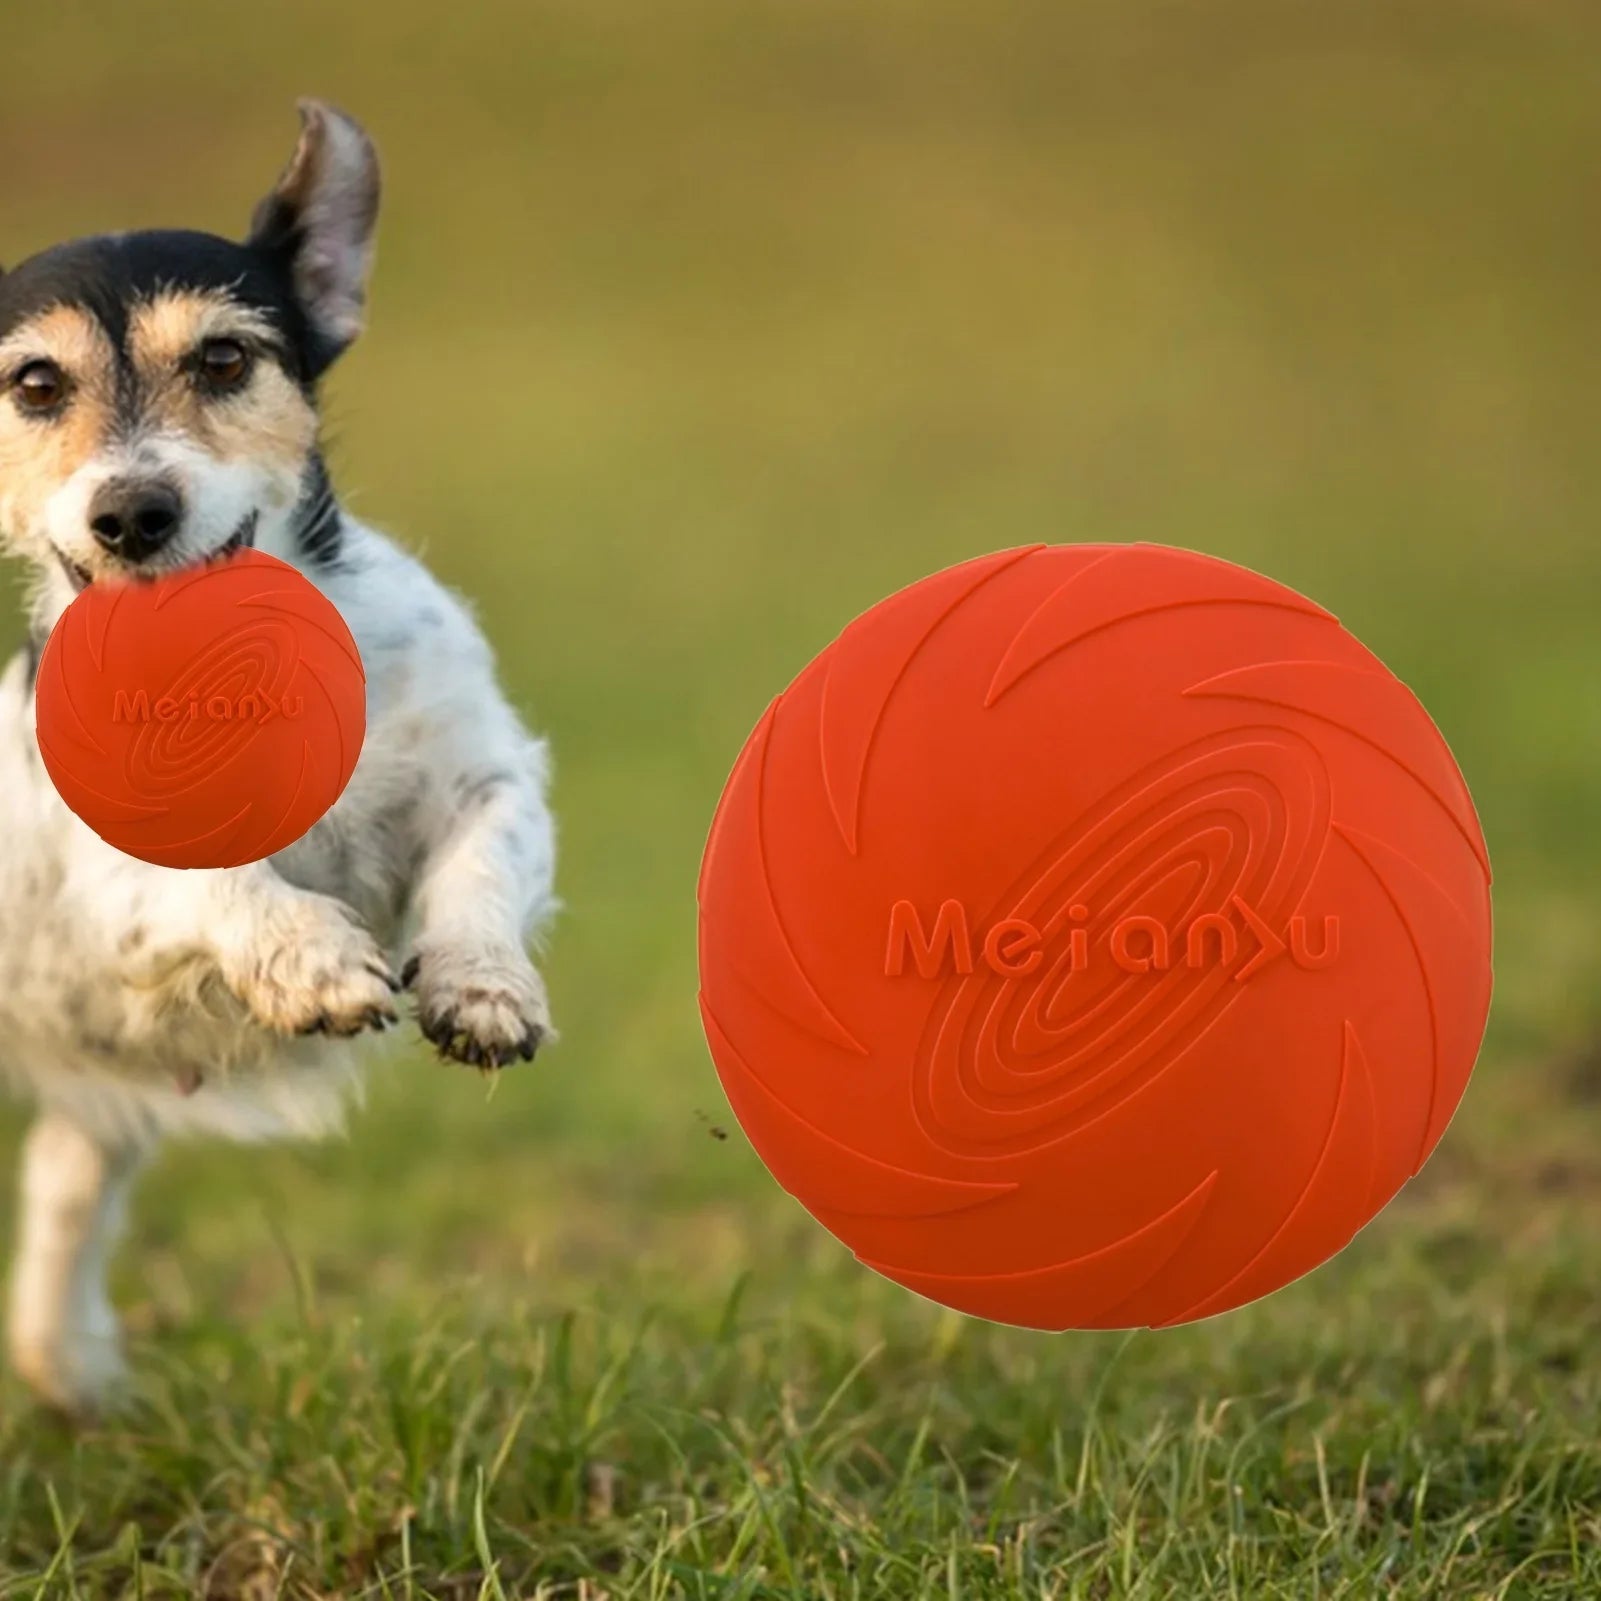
<point>366,850</point>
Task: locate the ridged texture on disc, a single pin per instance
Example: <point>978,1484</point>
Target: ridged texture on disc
<point>203,720</point>
<point>1095,937</point>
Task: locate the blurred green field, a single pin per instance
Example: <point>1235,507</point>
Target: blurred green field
<point>696,329</point>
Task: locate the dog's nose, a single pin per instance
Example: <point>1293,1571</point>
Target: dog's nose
<point>134,518</point>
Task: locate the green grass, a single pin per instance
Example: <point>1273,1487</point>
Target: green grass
<point>695,332</point>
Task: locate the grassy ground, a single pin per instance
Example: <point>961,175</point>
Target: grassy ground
<point>696,332</point>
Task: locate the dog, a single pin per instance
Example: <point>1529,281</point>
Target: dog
<point>158,409</point>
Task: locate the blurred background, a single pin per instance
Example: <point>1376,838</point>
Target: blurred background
<point>696,330</point>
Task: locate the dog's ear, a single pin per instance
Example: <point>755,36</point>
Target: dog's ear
<point>321,215</point>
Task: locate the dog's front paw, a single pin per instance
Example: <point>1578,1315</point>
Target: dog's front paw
<point>479,1005</point>
<point>311,968</point>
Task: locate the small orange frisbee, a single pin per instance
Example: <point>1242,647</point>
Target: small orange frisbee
<point>205,719</point>
<point>1095,936</point>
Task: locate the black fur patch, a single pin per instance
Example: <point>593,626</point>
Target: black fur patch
<point>319,528</point>
<point>110,274</point>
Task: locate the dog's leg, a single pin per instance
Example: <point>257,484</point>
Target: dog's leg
<point>63,1331</point>
<point>300,962</point>
<point>485,884</point>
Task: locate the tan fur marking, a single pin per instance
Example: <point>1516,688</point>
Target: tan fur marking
<point>268,421</point>
<point>38,455</point>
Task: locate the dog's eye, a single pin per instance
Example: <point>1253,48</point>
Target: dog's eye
<point>40,387</point>
<point>224,364</point>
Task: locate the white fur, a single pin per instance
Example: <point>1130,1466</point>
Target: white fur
<point>138,1001</point>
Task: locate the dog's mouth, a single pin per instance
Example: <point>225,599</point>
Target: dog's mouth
<point>242,538</point>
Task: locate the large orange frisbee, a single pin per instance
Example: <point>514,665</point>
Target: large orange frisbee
<point>206,719</point>
<point>1095,936</point>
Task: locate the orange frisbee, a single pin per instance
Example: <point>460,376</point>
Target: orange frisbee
<point>1095,937</point>
<point>205,719</point>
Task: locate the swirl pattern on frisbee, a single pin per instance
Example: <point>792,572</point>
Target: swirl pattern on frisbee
<point>257,659</point>
<point>1010,1060</point>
